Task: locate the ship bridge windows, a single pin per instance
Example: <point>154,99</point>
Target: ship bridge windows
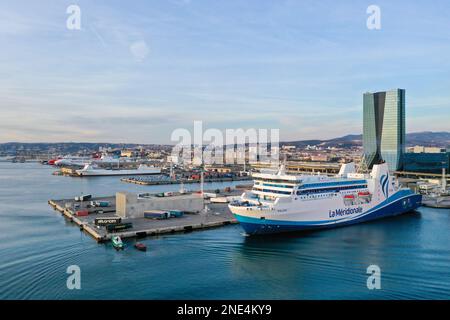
<point>274,185</point>
<point>274,191</point>
<point>333,184</point>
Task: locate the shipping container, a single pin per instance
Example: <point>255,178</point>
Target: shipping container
<point>102,204</point>
<point>156,214</point>
<point>175,213</point>
<point>82,213</point>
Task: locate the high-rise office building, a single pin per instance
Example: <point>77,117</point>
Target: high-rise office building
<point>384,127</point>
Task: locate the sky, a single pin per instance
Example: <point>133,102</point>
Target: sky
<point>137,70</point>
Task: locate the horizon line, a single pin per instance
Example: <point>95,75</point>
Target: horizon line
<point>166,144</point>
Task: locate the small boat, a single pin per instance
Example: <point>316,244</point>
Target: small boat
<point>117,242</point>
<point>140,246</point>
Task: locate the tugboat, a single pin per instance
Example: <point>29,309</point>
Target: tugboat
<point>140,246</point>
<point>117,243</point>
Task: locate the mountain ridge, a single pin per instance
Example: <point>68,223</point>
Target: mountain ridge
<point>423,138</point>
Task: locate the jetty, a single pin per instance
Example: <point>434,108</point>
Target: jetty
<point>130,209</point>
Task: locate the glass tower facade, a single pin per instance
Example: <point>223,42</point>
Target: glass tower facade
<point>384,127</point>
<point>427,162</point>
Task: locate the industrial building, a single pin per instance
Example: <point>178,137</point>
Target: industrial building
<point>132,205</point>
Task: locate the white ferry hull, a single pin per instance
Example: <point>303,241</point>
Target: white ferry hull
<point>270,221</point>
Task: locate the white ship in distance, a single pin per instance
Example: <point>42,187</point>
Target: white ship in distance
<point>279,202</point>
<point>72,161</point>
<point>82,161</point>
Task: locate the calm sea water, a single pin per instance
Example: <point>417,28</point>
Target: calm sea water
<point>37,245</point>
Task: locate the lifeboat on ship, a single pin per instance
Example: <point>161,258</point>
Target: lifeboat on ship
<point>349,199</point>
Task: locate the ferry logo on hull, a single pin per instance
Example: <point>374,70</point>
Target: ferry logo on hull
<point>385,185</point>
<point>344,212</point>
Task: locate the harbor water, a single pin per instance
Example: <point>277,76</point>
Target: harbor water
<point>37,245</point>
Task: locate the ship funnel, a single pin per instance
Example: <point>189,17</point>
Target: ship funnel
<point>380,173</point>
<point>379,170</point>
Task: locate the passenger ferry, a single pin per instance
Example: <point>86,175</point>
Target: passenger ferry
<point>279,202</point>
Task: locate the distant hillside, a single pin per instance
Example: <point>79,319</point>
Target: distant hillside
<point>342,142</point>
<point>426,138</point>
<point>65,147</point>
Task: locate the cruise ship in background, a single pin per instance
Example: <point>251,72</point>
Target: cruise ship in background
<point>280,202</point>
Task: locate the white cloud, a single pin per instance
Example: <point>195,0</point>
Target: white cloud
<point>139,50</point>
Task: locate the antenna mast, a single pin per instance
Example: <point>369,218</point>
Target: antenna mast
<point>363,166</point>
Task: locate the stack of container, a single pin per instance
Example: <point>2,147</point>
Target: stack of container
<point>156,214</point>
<point>162,214</point>
<point>102,204</point>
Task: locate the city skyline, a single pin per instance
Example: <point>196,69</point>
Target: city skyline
<point>134,75</point>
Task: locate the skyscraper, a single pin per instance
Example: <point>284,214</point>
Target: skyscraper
<point>384,127</point>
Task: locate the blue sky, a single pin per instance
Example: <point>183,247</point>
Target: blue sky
<point>139,69</point>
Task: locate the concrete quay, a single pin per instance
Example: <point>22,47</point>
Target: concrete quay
<point>216,215</point>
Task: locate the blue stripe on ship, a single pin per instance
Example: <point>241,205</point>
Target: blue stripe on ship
<point>390,207</point>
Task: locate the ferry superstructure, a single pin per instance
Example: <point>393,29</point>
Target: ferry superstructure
<point>279,202</point>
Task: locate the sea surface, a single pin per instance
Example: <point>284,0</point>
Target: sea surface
<point>37,245</point>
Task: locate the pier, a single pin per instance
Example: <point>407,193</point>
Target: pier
<point>152,182</point>
<point>215,215</point>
